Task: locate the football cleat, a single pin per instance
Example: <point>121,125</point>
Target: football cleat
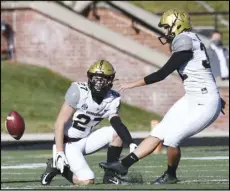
<point>111,180</point>
<point>115,167</point>
<point>108,174</point>
<point>49,173</point>
<point>111,177</point>
<point>166,179</point>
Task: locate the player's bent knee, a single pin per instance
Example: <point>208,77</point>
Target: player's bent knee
<point>86,182</point>
<point>116,138</point>
<point>158,132</point>
<point>76,181</point>
<point>171,144</point>
<point>112,136</point>
<point>84,176</point>
<point>116,141</point>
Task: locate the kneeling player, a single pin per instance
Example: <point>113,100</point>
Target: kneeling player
<point>86,104</point>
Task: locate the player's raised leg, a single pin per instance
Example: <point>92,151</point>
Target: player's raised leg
<point>149,144</point>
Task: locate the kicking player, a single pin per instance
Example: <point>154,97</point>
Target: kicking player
<point>195,111</point>
<point>86,104</point>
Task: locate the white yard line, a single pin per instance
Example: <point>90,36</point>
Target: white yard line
<point>28,156</point>
<point>225,181</point>
<point>206,158</point>
<point>25,166</point>
<point>98,177</point>
<point>104,154</point>
<point>196,181</point>
<point>203,170</point>
<point>202,165</point>
<point>190,170</point>
<point>37,187</point>
<point>17,173</point>
<point>41,165</point>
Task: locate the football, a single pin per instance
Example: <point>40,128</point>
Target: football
<point>15,125</point>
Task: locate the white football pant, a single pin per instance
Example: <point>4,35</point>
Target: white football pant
<point>75,151</point>
<point>187,117</point>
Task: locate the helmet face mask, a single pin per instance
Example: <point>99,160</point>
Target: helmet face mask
<point>100,84</point>
<point>168,36</point>
<point>100,78</point>
<point>175,22</point>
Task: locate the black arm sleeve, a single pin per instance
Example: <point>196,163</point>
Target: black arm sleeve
<point>176,60</point>
<point>121,130</point>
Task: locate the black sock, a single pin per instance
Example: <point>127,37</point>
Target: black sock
<point>129,160</point>
<point>68,174</point>
<point>172,170</point>
<point>113,153</point>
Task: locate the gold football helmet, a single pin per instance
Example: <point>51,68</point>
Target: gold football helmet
<point>175,21</point>
<point>100,78</point>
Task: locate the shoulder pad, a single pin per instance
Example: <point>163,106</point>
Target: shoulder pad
<point>73,95</point>
<point>182,42</point>
<point>83,89</point>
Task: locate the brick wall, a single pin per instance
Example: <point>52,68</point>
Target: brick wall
<point>42,41</point>
<point>4,46</point>
<point>3,43</point>
<point>124,25</point>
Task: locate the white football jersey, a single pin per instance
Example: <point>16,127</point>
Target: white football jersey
<point>196,74</point>
<point>88,112</point>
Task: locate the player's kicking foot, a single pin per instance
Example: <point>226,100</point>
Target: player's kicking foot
<point>166,179</point>
<point>49,173</point>
<point>115,167</point>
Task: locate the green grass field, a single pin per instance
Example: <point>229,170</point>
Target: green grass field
<point>200,168</point>
<point>37,94</point>
<point>189,6</point>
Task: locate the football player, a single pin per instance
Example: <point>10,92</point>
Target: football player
<point>86,104</point>
<point>195,111</point>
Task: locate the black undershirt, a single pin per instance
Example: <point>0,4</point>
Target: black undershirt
<point>174,63</point>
